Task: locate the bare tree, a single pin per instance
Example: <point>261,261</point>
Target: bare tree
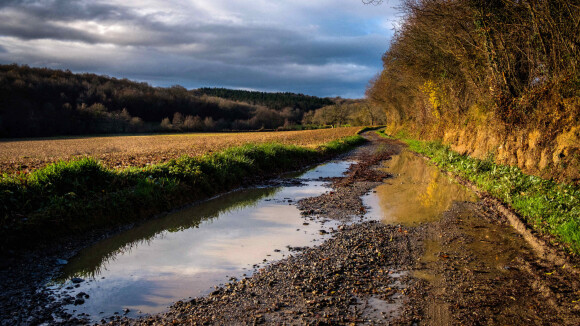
<point>372,2</point>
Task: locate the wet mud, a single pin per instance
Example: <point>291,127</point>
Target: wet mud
<point>478,270</point>
<point>456,261</point>
<point>461,263</point>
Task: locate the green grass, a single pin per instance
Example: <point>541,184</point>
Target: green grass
<point>550,207</point>
<point>369,128</point>
<point>80,195</point>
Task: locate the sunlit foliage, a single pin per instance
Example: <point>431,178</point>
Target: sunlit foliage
<point>516,61</point>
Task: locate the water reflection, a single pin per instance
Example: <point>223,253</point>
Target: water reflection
<point>418,193</point>
<point>186,253</point>
<point>88,263</point>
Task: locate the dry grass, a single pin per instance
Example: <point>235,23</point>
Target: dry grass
<point>124,151</point>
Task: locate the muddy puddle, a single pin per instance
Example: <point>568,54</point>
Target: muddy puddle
<point>381,308</point>
<point>186,253</point>
<point>418,193</point>
<point>468,259</point>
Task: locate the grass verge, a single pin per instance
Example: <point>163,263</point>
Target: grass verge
<point>80,195</point>
<point>369,128</point>
<point>549,207</point>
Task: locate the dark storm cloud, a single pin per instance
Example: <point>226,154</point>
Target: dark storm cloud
<point>253,45</point>
<point>65,10</point>
<point>295,46</point>
<point>27,27</point>
<point>48,20</point>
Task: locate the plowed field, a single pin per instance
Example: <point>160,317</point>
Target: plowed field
<point>124,151</point>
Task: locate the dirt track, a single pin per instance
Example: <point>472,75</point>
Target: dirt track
<point>468,267</point>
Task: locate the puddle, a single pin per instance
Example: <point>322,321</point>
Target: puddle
<point>476,256</point>
<point>328,170</point>
<point>492,247</point>
<point>467,252</point>
<point>376,308</point>
<point>186,253</point>
<point>432,254</point>
<point>418,193</point>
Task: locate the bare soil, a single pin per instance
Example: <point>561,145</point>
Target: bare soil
<point>130,151</point>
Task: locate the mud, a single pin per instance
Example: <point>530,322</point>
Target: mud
<point>480,271</point>
<point>468,266</point>
<point>329,284</point>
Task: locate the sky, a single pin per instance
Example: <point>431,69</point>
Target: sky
<point>315,47</point>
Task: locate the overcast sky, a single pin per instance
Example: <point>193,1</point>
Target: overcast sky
<point>316,47</point>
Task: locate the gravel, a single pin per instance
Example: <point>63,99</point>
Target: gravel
<point>469,268</point>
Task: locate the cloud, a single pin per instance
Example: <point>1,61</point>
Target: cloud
<point>323,48</point>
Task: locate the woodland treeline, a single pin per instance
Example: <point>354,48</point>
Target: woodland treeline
<point>276,101</point>
<point>37,102</point>
<point>346,112</point>
<point>500,63</point>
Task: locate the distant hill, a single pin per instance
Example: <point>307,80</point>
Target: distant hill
<point>276,101</point>
<point>37,102</point>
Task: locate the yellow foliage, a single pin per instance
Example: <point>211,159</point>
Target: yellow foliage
<point>566,142</point>
<point>478,113</point>
<point>428,198</point>
<point>435,96</point>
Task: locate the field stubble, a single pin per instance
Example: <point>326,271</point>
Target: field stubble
<point>124,151</point>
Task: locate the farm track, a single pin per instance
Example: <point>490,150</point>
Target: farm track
<point>126,151</point>
<point>468,268</point>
